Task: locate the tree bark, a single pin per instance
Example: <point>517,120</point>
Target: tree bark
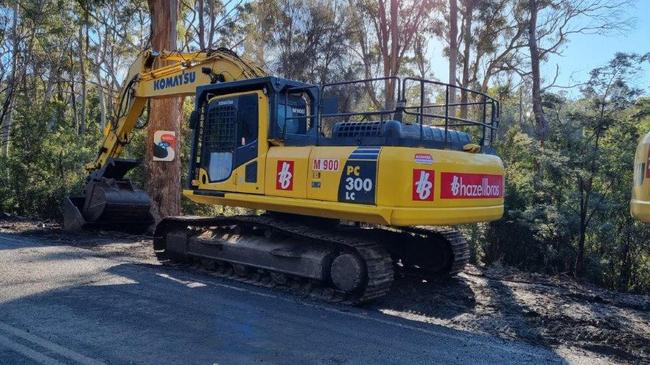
<point>200,7</point>
<point>467,40</point>
<point>73,102</point>
<point>394,51</point>
<point>453,51</point>
<point>582,235</point>
<point>6,114</point>
<point>625,257</point>
<point>540,121</point>
<point>82,70</point>
<point>163,181</point>
<point>211,30</point>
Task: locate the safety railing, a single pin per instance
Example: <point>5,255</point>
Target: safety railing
<point>471,110</point>
<point>415,101</point>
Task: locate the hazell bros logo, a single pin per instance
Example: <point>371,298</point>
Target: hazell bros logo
<point>285,175</point>
<point>470,186</point>
<point>422,185</point>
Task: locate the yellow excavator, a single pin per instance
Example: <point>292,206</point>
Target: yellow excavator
<point>352,190</point>
<point>640,203</point>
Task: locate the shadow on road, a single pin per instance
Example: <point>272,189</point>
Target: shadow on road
<point>48,236</point>
<point>144,313</point>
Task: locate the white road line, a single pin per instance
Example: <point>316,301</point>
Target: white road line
<point>27,352</point>
<point>81,359</point>
<point>189,284</point>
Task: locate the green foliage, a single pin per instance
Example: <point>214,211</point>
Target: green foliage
<point>45,164</point>
<point>567,202</point>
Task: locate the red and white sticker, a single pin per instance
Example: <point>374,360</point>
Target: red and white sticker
<point>422,185</point>
<point>470,186</point>
<point>423,159</point>
<point>284,179</point>
<point>325,164</point>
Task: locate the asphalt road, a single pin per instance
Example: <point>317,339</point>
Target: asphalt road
<point>61,304</point>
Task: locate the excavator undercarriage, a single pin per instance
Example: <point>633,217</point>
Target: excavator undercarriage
<point>330,261</point>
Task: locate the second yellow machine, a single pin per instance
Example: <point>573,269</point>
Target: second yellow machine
<point>640,202</point>
<point>349,195</point>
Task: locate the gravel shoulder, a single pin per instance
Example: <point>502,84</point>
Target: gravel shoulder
<point>576,320</point>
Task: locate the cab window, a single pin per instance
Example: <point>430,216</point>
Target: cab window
<point>291,114</point>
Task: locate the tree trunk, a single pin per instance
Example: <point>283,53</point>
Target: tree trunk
<point>580,257</point>
<point>626,262</point>
<point>6,114</point>
<point>394,51</point>
<point>82,70</point>
<point>582,233</point>
<point>540,121</point>
<point>73,101</point>
<point>212,29</point>
<point>101,97</point>
<point>163,178</point>
<point>521,105</point>
<point>199,5</point>
<point>453,52</point>
<point>467,40</point>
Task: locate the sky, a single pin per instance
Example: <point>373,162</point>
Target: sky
<point>585,52</point>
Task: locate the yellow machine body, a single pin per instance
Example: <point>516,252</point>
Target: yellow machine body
<point>640,203</point>
<point>380,184</point>
<point>388,185</point>
<point>318,173</point>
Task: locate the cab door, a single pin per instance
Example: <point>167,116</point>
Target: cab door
<point>232,158</point>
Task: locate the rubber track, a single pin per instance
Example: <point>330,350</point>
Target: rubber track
<point>378,262</point>
<point>453,237</point>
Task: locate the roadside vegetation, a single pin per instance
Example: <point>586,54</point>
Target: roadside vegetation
<point>568,151</point>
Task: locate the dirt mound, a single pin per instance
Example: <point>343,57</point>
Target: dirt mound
<point>551,311</point>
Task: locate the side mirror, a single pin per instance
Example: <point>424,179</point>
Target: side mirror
<point>194,119</point>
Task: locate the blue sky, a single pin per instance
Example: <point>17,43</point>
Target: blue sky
<point>584,52</point>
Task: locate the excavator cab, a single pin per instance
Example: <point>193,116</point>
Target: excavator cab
<point>236,123</point>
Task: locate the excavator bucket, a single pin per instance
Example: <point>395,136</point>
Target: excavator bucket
<point>110,202</point>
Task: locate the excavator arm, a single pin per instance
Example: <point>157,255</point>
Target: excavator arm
<point>180,78</point>
<point>111,200</point>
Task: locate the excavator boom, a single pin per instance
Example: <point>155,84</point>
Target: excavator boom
<point>110,200</point>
